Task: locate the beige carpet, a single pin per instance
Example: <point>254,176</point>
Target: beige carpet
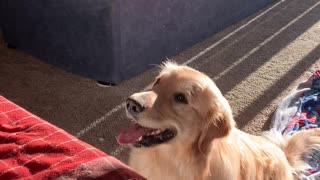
<point>255,63</point>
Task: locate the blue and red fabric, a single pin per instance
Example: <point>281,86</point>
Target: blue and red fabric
<point>308,117</point>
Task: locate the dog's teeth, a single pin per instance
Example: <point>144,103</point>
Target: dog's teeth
<point>158,131</point>
<point>140,138</point>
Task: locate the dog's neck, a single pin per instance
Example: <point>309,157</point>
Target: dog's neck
<point>176,161</point>
<point>189,163</point>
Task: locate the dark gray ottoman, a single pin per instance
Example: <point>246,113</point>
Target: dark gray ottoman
<point>113,40</point>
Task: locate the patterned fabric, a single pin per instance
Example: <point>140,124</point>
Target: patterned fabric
<point>307,117</point>
<point>31,148</point>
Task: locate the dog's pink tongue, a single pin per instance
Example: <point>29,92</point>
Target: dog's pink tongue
<point>132,135</point>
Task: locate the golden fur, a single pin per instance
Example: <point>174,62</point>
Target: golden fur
<point>208,145</point>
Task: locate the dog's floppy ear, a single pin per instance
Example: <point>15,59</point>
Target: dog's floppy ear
<point>217,122</point>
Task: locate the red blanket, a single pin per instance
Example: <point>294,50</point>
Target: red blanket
<point>31,148</point>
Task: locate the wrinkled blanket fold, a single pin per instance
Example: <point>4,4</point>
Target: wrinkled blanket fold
<point>300,110</point>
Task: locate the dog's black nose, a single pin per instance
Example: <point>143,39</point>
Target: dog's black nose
<point>133,106</point>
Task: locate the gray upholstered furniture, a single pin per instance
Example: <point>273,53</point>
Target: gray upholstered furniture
<point>113,40</point>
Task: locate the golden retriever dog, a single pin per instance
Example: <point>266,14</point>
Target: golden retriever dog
<point>183,128</point>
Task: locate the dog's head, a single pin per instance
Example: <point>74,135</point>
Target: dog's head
<point>182,106</point>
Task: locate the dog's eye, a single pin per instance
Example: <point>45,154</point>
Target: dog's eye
<point>157,81</point>
<point>180,98</point>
